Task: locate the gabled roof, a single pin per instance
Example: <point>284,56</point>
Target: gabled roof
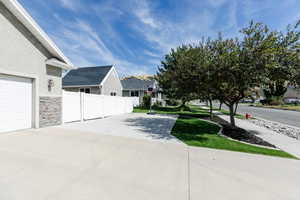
<point>86,76</point>
<point>134,83</point>
<point>22,15</point>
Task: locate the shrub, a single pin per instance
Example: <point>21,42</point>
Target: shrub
<point>271,101</point>
<point>146,101</point>
<point>265,101</point>
<point>275,102</point>
<point>157,104</point>
<point>172,102</point>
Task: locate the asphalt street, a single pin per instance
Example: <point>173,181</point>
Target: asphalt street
<point>283,116</point>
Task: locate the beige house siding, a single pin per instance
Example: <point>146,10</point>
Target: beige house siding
<point>112,84</point>
<point>293,93</point>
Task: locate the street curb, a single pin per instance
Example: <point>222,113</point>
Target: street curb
<point>295,127</point>
<point>281,124</point>
<point>274,108</point>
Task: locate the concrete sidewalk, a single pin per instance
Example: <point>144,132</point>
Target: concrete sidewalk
<point>281,141</point>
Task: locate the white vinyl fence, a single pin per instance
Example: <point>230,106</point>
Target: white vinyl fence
<point>81,106</point>
<point>136,101</point>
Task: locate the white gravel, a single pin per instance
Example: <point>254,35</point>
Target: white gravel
<point>280,128</point>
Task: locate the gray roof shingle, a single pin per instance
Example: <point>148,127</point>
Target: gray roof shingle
<point>86,76</point>
<point>137,84</point>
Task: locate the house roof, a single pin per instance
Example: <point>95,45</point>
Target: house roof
<point>134,83</point>
<point>22,15</point>
<point>86,76</point>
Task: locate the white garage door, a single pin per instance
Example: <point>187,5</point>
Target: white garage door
<point>15,103</point>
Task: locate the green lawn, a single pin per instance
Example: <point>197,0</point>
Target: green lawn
<point>195,132</point>
<point>226,112</point>
<point>194,111</point>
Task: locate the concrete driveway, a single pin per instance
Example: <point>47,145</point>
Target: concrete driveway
<point>61,163</point>
<point>133,125</point>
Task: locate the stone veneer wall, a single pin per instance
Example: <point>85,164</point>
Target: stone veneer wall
<point>50,111</point>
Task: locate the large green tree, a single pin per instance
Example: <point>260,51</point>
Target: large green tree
<point>284,66</point>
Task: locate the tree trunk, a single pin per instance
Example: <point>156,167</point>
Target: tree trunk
<point>236,106</point>
<point>220,106</point>
<point>182,106</point>
<point>210,109</point>
<point>231,112</point>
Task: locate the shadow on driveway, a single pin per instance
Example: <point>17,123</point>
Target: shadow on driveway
<point>156,127</point>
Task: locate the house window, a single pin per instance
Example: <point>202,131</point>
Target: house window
<point>134,93</point>
<point>85,90</point>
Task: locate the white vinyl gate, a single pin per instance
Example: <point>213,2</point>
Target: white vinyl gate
<point>81,106</point>
<point>71,106</point>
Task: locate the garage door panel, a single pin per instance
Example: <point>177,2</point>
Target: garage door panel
<point>15,103</point>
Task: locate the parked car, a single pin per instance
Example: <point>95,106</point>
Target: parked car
<point>246,100</point>
<point>291,100</point>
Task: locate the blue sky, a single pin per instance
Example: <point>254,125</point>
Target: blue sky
<point>134,35</point>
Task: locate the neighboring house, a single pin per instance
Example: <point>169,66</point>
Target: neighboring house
<point>95,80</point>
<point>292,92</point>
<point>137,86</point>
<point>292,95</point>
<point>30,72</point>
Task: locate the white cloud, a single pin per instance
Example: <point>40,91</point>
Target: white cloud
<point>86,47</point>
<point>152,54</point>
<point>105,41</point>
<point>217,3</point>
<point>171,33</point>
<point>71,4</point>
<point>143,13</point>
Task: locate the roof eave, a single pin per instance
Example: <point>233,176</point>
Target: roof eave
<point>22,15</point>
<point>57,63</point>
<point>75,86</point>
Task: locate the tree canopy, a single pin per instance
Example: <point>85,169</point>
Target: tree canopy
<point>229,69</point>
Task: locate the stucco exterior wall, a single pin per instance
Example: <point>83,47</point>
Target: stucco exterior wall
<point>112,84</point>
<point>21,52</point>
<point>95,90</point>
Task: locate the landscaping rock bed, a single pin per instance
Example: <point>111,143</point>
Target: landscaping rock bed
<point>278,128</point>
<point>239,133</point>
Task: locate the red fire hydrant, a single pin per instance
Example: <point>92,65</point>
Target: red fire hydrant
<point>248,116</point>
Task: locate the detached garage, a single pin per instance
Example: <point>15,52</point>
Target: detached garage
<point>30,72</point>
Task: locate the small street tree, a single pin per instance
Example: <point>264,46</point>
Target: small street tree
<point>173,77</point>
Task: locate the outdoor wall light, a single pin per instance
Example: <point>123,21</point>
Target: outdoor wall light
<point>50,84</point>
